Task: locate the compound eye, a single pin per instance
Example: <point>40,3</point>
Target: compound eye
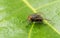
<point>29,17</point>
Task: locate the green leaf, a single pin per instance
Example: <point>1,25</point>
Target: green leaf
<point>50,11</point>
<point>14,15</point>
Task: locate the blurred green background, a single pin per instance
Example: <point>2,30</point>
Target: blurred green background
<point>14,23</point>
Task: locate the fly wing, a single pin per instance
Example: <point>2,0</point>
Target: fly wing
<point>43,16</point>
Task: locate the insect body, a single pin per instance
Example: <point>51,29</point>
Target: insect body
<point>35,18</point>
